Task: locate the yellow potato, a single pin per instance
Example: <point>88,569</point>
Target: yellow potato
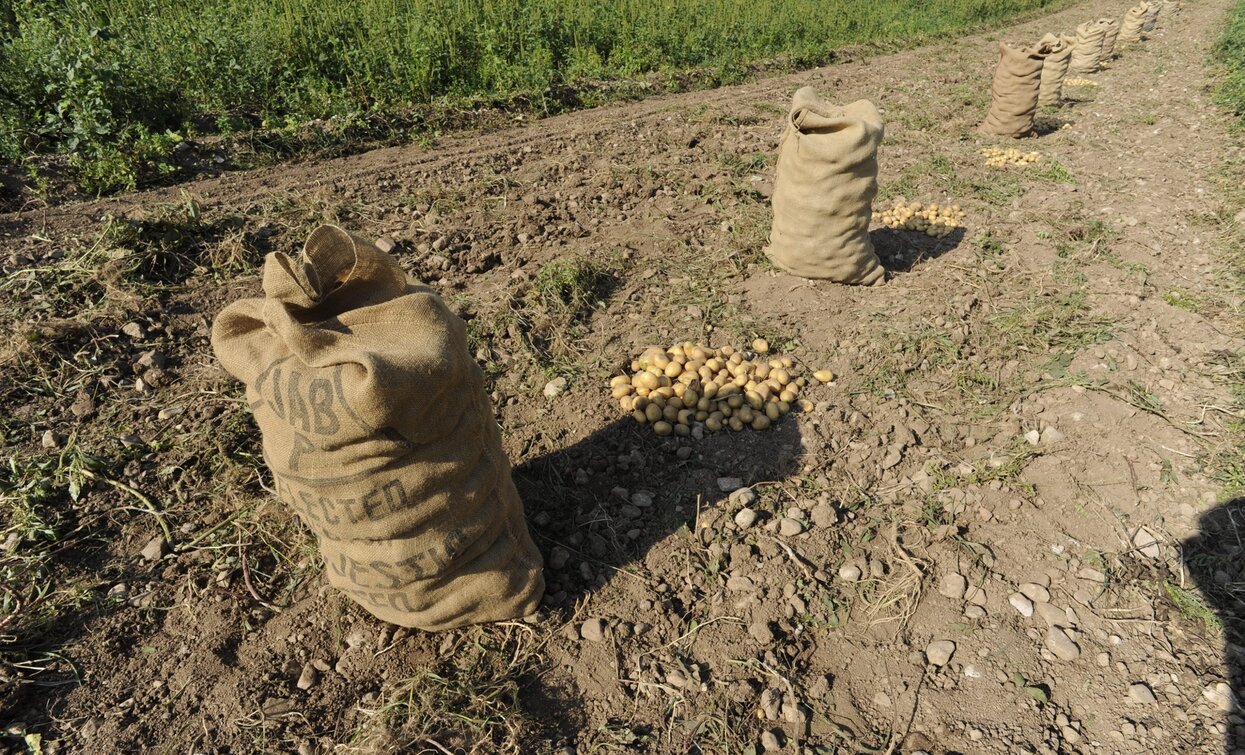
<point>663,428</point>
<point>713,424</point>
<point>673,370</point>
<point>823,376</point>
<point>622,390</point>
<point>640,417</point>
<point>754,399</point>
<point>670,413</point>
<point>772,411</point>
<point>745,414</point>
<point>619,380</point>
<point>646,380</point>
<point>702,415</point>
<point>760,422</point>
<point>690,397</point>
<point>653,412</point>
<point>736,424</point>
<point>682,430</point>
<point>760,346</point>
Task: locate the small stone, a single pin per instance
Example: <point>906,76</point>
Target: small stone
<point>134,330</point>
<point>761,632</point>
<point>1051,436</point>
<point>974,612</point>
<point>740,584</point>
<point>1053,615</point>
<point>1103,660</point>
<point>1146,543</point>
<point>1035,592</point>
<point>50,440</point>
<point>1220,695</point>
<point>1033,437</point>
<point>1140,692</point>
<point>745,518</point>
<point>1021,604</point>
<point>953,586</point>
<point>155,549</point>
<point>1059,643</point>
<point>642,500</point>
<point>592,630</point>
<point>554,387</point>
<point>169,412</point>
<point>790,527</point>
<point>1070,735</point>
<point>849,573</point>
<point>770,740</point>
<point>386,244</point>
<point>309,678</point>
<point>558,557</point>
<point>743,497</point>
<point>939,652</point>
<point>729,484</point>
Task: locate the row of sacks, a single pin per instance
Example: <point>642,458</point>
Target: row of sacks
<point>1031,77</point>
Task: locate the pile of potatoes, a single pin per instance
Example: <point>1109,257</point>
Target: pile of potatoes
<point>931,219</point>
<point>997,157</point>
<point>686,385</point>
<point>1080,83</point>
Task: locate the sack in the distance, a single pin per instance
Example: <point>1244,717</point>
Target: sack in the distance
<point>1088,47</point>
<point>1108,38</point>
<point>379,434</point>
<point>1058,52</point>
<point>1014,92</point>
<point>824,185</point>
<point>1134,19</point>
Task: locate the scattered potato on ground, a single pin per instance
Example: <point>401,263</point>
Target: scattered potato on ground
<point>931,219</point>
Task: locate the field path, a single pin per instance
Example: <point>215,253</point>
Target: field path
<point>1024,453</point>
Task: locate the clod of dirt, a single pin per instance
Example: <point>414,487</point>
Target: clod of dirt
<point>155,549</point>
<point>729,484</point>
<point>1063,646</point>
<point>745,518</point>
<point>761,632</point>
<point>1141,694</point>
<point>772,740</point>
<point>49,440</point>
<point>939,652</point>
<point>743,497</point>
<point>953,586</point>
<point>849,573</point>
<point>554,387</point>
<point>309,677</point>
<point>1021,604</point>
<point>593,630</point>
<point>771,702</point>
<point>1219,695</point>
<point>558,558</point>
<point>134,330</point>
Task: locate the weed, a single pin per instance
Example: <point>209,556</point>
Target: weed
<point>1182,300</point>
<point>1054,171</point>
<point>1192,607</point>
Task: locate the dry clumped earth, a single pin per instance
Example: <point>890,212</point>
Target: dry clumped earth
<point>1004,527</point>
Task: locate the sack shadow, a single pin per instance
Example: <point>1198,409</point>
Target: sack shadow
<point>598,506</point>
<point>901,251</point>
<point>1215,558</point>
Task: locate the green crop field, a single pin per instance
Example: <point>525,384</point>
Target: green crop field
<point>114,84</point>
<point>1231,52</point>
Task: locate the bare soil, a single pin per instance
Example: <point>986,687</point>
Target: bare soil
<point>1045,404</point>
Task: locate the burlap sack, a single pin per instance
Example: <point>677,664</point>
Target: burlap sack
<point>1134,19</point>
<point>824,186</point>
<point>1058,52</point>
<point>1014,92</point>
<point>379,434</point>
<point>1108,39</point>
<point>1152,17</point>
<point>1088,47</point>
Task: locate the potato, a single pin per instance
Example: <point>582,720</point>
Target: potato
<point>736,424</point>
<point>806,405</point>
<point>627,403</point>
<point>673,370</point>
<point>762,371</point>
<point>713,424</point>
<point>823,376</point>
<point>787,396</point>
<point>622,390</point>
<point>760,422</point>
<point>665,391</point>
<point>726,351</point>
<point>782,376</point>
<point>711,389</point>
<point>754,399</point>
<point>645,380</point>
<point>725,410</point>
<point>783,407</point>
<point>702,415</point>
<point>685,417</point>
<point>682,430</point>
<point>663,428</point>
<point>619,380</point>
<point>670,414</point>
<point>639,416</point>
<point>676,402</point>
<point>735,401</point>
<point>772,411</point>
<point>690,397</point>
<point>653,412</point>
<point>760,346</point>
<point>745,414</point>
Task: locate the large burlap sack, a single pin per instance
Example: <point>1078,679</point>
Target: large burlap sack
<point>824,186</point>
<point>1134,19</point>
<point>1108,38</point>
<point>1088,47</point>
<point>1058,51</point>
<point>379,434</point>
<point>1014,92</point>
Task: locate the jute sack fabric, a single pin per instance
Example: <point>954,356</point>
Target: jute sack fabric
<point>1134,19</point>
<point>1108,39</point>
<point>379,434</point>
<point>1088,47</point>
<point>824,185</point>
<point>1014,91</point>
<point>1152,17</point>
<point>1058,52</point>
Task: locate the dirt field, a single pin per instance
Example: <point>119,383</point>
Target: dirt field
<point>1027,450</point>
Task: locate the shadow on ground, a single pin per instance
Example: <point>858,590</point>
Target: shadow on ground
<point>1215,558</point>
<point>902,251</point>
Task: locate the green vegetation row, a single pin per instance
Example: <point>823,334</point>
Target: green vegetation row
<point>1231,52</point>
<point>116,83</point>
